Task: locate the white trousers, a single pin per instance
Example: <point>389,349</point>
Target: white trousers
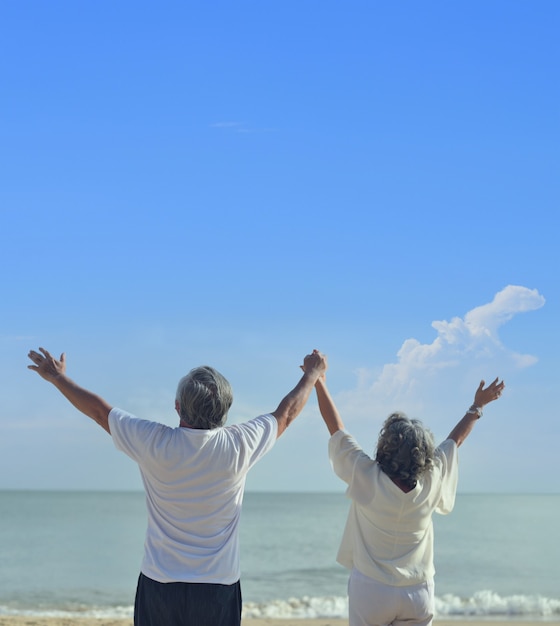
<point>371,603</point>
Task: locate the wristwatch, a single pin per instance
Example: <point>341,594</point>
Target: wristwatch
<point>475,410</point>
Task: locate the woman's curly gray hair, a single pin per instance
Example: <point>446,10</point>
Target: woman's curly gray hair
<point>405,449</point>
<point>204,398</point>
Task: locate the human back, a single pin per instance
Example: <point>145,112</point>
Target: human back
<point>194,481</point>
<point>389,533</point>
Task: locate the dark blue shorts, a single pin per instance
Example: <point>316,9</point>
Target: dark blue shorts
<point>186,604</point>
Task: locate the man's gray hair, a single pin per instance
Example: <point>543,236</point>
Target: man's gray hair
<point>204,397</point>
<point>405,449</point>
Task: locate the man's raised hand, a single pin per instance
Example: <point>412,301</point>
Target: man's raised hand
<point>46,365</point>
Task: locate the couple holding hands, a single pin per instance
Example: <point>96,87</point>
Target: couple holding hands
<point>194,476</point>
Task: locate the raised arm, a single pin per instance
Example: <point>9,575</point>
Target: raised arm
<point>314,365</point>
<point>482,397</point>
<point>328,409</point>
<point>54,371</point>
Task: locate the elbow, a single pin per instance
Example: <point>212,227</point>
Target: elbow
<point>101,417</point>
<point>284,419</point>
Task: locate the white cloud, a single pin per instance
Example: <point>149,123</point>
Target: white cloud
<point>480,325</point>
<point>459,343</point>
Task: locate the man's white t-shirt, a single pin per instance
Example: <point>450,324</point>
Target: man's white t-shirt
<point>194,481</point>
<point>389,533</point>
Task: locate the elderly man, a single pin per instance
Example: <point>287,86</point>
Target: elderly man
<point>194,477</point>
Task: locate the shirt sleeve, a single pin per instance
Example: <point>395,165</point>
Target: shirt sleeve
<point>448,456</point>
<point>345,453</point>
<point>258,436</point>
<point>132,435</point>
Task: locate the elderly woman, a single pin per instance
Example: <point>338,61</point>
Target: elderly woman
<point>388,539</point>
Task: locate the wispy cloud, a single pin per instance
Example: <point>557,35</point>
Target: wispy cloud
<point>10,338</point>
<point>460,343</point>
<point>239,127</point>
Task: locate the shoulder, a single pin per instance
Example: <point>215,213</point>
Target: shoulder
<point>348,457</point>
<point>263,426</point>
<point>342,442</point>
<point>120,417</point>
<point>125,425</point>
<point>446,452</point>
<point>253,439</point>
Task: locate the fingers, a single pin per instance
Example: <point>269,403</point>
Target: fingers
<point>499,388</point>
<point>493,386</point>
<point>315,354</point>
<point>38,358</point>
<point>35,357</point>
<point>496,388</point>
<point>315,360</point>
<point>492,392</point>
<point>496,385</point>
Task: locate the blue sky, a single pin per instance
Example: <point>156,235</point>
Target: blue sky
<point>239,183</point>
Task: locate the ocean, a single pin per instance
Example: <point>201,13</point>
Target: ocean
<point>78,554</point>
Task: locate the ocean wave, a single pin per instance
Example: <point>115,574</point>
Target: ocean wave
<point>302,608</point>
<point>483,604</point>
<point>112,612</point>
<point>489,604</point>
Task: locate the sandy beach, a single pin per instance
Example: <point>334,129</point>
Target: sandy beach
<point>40,621</point>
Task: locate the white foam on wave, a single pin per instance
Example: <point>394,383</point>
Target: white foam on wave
<point>113,612</point>
<point>488,603</point>
<point>481,604</point>
<point>302,608</point>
